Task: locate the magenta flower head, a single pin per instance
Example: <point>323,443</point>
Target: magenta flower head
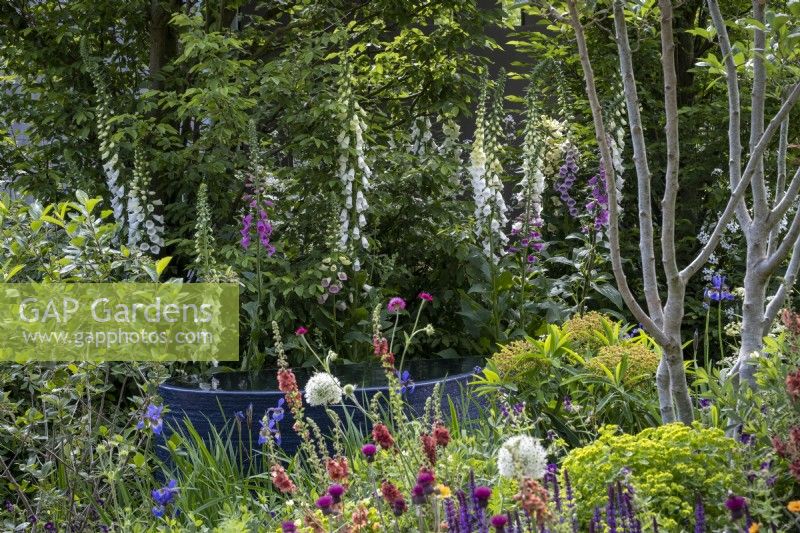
<point>418,496</point>
<point>499,521</point>
<point>399,506</point>
<point>302,330</point>
<point>396,305</point>
<point>736,505</point>
<point>369,450</point>
<point>426,296</point>
<point>482,494</point>
<point>288,527</point>
<point>425,478</point>
<point>324,503</point>
<point>336,492</point>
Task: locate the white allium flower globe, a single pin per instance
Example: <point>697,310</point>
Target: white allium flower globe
<point>522,456</point>
<point>323,389</point>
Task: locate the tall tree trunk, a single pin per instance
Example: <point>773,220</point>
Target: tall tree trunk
<point>755,294</point>
<point>673,356</point>
<point>163,39</point>
<point>664,388</point>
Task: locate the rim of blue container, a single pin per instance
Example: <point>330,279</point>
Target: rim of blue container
<point>167,386</point>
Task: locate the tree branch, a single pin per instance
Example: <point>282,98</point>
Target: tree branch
<point>734,110</point>
<point>611,189</point>
<point>668,257</point>
<point>775,216</point>
<point>744,182</point>
<point>643,177</point>
<point>789,278</point>
<point>757,99</point>
<point>771,264</point>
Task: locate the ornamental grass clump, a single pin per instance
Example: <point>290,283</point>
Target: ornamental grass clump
<point>670,467</point>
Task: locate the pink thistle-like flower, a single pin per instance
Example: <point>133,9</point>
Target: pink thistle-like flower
<point>396,305</point>
<point>425,296</point>
<point>302,330</point>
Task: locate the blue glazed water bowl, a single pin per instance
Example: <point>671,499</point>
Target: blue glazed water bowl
<point>236,392</point>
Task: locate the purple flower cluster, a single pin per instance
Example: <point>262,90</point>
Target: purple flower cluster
<point>254,199</point>
<point>598,202</point>
<point>526,239</point>
<point>263,230</point>
<point>332,285</point>
<point>620,513</point>
<point>567,175</point>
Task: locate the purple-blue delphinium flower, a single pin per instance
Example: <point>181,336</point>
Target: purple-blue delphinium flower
<point>152,419</point>
<point>406,383</point>
<point>704,403</point>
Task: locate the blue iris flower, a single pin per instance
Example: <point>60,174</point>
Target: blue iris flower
<point>269,424</point>
<point>164,496</point>
<point>718,291</point>
<point>406,383</point>
<point>152,419</point>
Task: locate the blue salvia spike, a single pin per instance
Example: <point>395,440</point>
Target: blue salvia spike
<point>594,524</point>
<point>611,511</point>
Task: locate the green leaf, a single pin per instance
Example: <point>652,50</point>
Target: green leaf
<point>162,263</point>
<point>13,272</point>
<point>139,460</point>
<point>610,292</point>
